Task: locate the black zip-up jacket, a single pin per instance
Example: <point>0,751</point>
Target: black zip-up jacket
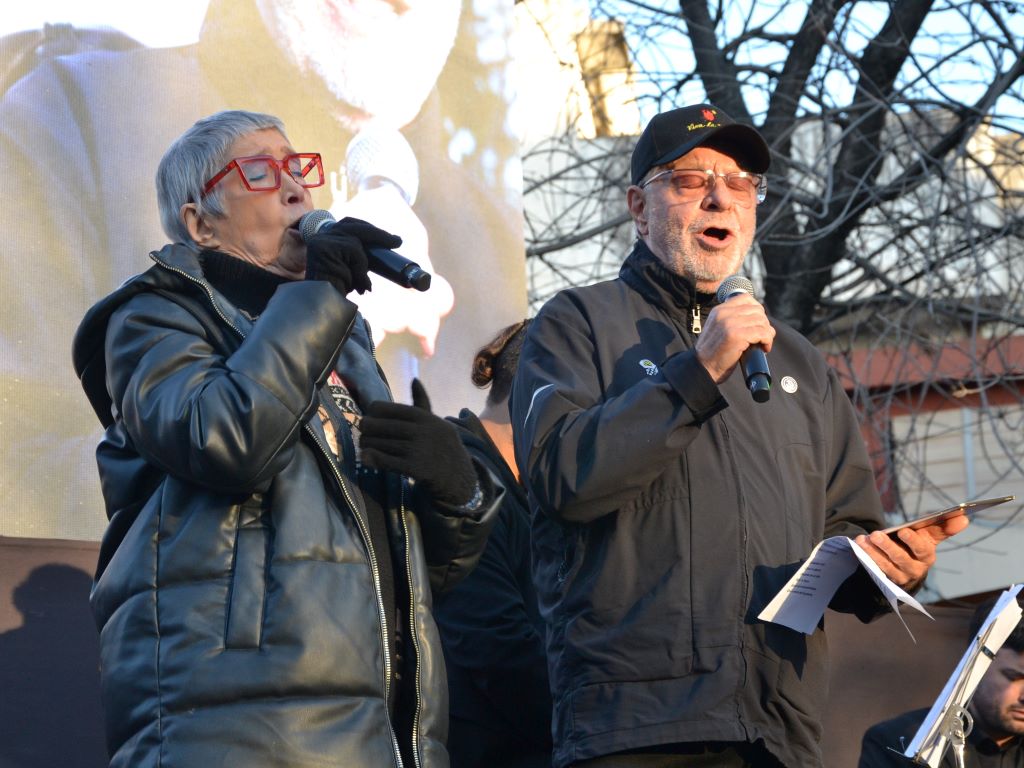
<point>238,592</point>
<point>667,511</point>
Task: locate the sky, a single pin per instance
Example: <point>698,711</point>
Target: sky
<point>663,47</point>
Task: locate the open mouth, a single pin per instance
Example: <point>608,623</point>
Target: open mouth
<point>293,228</point>
<point>716,233</point>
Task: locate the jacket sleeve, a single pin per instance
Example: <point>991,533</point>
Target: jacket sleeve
<point>853,506</point>
<point>454,538</point>
<point>223,420</point>
<point>586,454</point>
<point>881,741</point>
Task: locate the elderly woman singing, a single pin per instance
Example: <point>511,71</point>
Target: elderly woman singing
<point>276,523</point>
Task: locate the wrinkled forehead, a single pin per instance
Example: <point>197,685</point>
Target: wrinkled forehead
<point>266,141</point>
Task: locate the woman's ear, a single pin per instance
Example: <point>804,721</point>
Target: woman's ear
<point>198,226</point>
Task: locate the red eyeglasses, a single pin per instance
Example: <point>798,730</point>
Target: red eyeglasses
<point>261,173</point>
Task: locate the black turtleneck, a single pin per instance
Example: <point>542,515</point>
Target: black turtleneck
<point>245,285</point>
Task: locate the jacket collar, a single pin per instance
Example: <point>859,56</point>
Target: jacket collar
<point>184,261</point>
<point>177,270</point>
<point>647,275</point>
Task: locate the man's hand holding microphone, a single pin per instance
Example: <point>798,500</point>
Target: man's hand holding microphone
<point>737,332</point>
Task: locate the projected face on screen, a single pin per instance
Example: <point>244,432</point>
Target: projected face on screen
<point>406,101</point>
<point>382,57</point>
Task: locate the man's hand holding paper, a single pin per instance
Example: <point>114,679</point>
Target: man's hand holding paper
<point>897,560</point>
<point>905,555</point>
<point>801,603</point>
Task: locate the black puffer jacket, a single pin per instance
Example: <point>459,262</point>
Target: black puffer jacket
<point>238,594</point>
<point>668,511</point>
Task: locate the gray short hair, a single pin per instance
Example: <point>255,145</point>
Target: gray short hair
<point>194,157</point>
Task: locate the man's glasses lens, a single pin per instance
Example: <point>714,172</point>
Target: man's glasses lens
<point>746,187</point>
<point>745,184</point>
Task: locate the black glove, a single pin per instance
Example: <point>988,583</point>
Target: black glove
<point>337,253</point>
<point>411,440</point>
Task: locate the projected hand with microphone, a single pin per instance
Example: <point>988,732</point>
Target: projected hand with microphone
<point>379,182</point>
<point>738,333</point>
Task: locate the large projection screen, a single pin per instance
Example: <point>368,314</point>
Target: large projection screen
<point>407,102</point>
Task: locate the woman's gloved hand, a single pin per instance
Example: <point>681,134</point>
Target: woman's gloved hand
<point>337,253</point>
<point>412,441</point>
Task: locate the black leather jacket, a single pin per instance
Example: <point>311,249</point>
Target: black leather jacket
<point>667,512</point>
<point>238,594</point>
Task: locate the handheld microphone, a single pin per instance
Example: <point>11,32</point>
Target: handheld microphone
<point>753,361</point>
<point>382,261</point>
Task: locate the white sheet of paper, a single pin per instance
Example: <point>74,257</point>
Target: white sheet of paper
<point>801,603</point>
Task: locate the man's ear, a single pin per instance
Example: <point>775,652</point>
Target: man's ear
<point>198,226</point>
<point>638,209</point>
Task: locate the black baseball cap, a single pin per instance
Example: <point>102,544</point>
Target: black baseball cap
<point>672,134</point>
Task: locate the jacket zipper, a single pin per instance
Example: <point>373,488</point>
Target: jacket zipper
<point>741,505</point>
<point>206,290</point>
<point>408,575</point>
<point>695,325</point>
<point>374,568</point>
<point>412,597</point>
<point>412,630</point>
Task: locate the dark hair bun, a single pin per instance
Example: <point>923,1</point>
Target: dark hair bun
<point>495,363</point>
<point>483,368</point>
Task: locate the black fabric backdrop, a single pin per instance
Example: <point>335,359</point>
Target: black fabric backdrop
<point>50,714</point>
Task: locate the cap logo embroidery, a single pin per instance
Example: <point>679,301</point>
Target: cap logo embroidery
<point>697,126</point>
<point>709,115</point>
<point>649,368</point>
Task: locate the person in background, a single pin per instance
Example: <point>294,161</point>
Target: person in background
<point>996,739</point>
<point>276,523</point>
<point>492,633</point>
<point>668,506</point>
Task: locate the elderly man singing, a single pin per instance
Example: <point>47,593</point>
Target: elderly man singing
<point>669,506</point>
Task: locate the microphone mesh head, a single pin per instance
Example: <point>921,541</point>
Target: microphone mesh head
<point>382,152</point>
<point>311,222</point>
<point>733,285</point>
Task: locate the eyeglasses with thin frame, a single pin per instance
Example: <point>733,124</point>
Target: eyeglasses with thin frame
<point>696,183</point>
<point>262,173</point>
